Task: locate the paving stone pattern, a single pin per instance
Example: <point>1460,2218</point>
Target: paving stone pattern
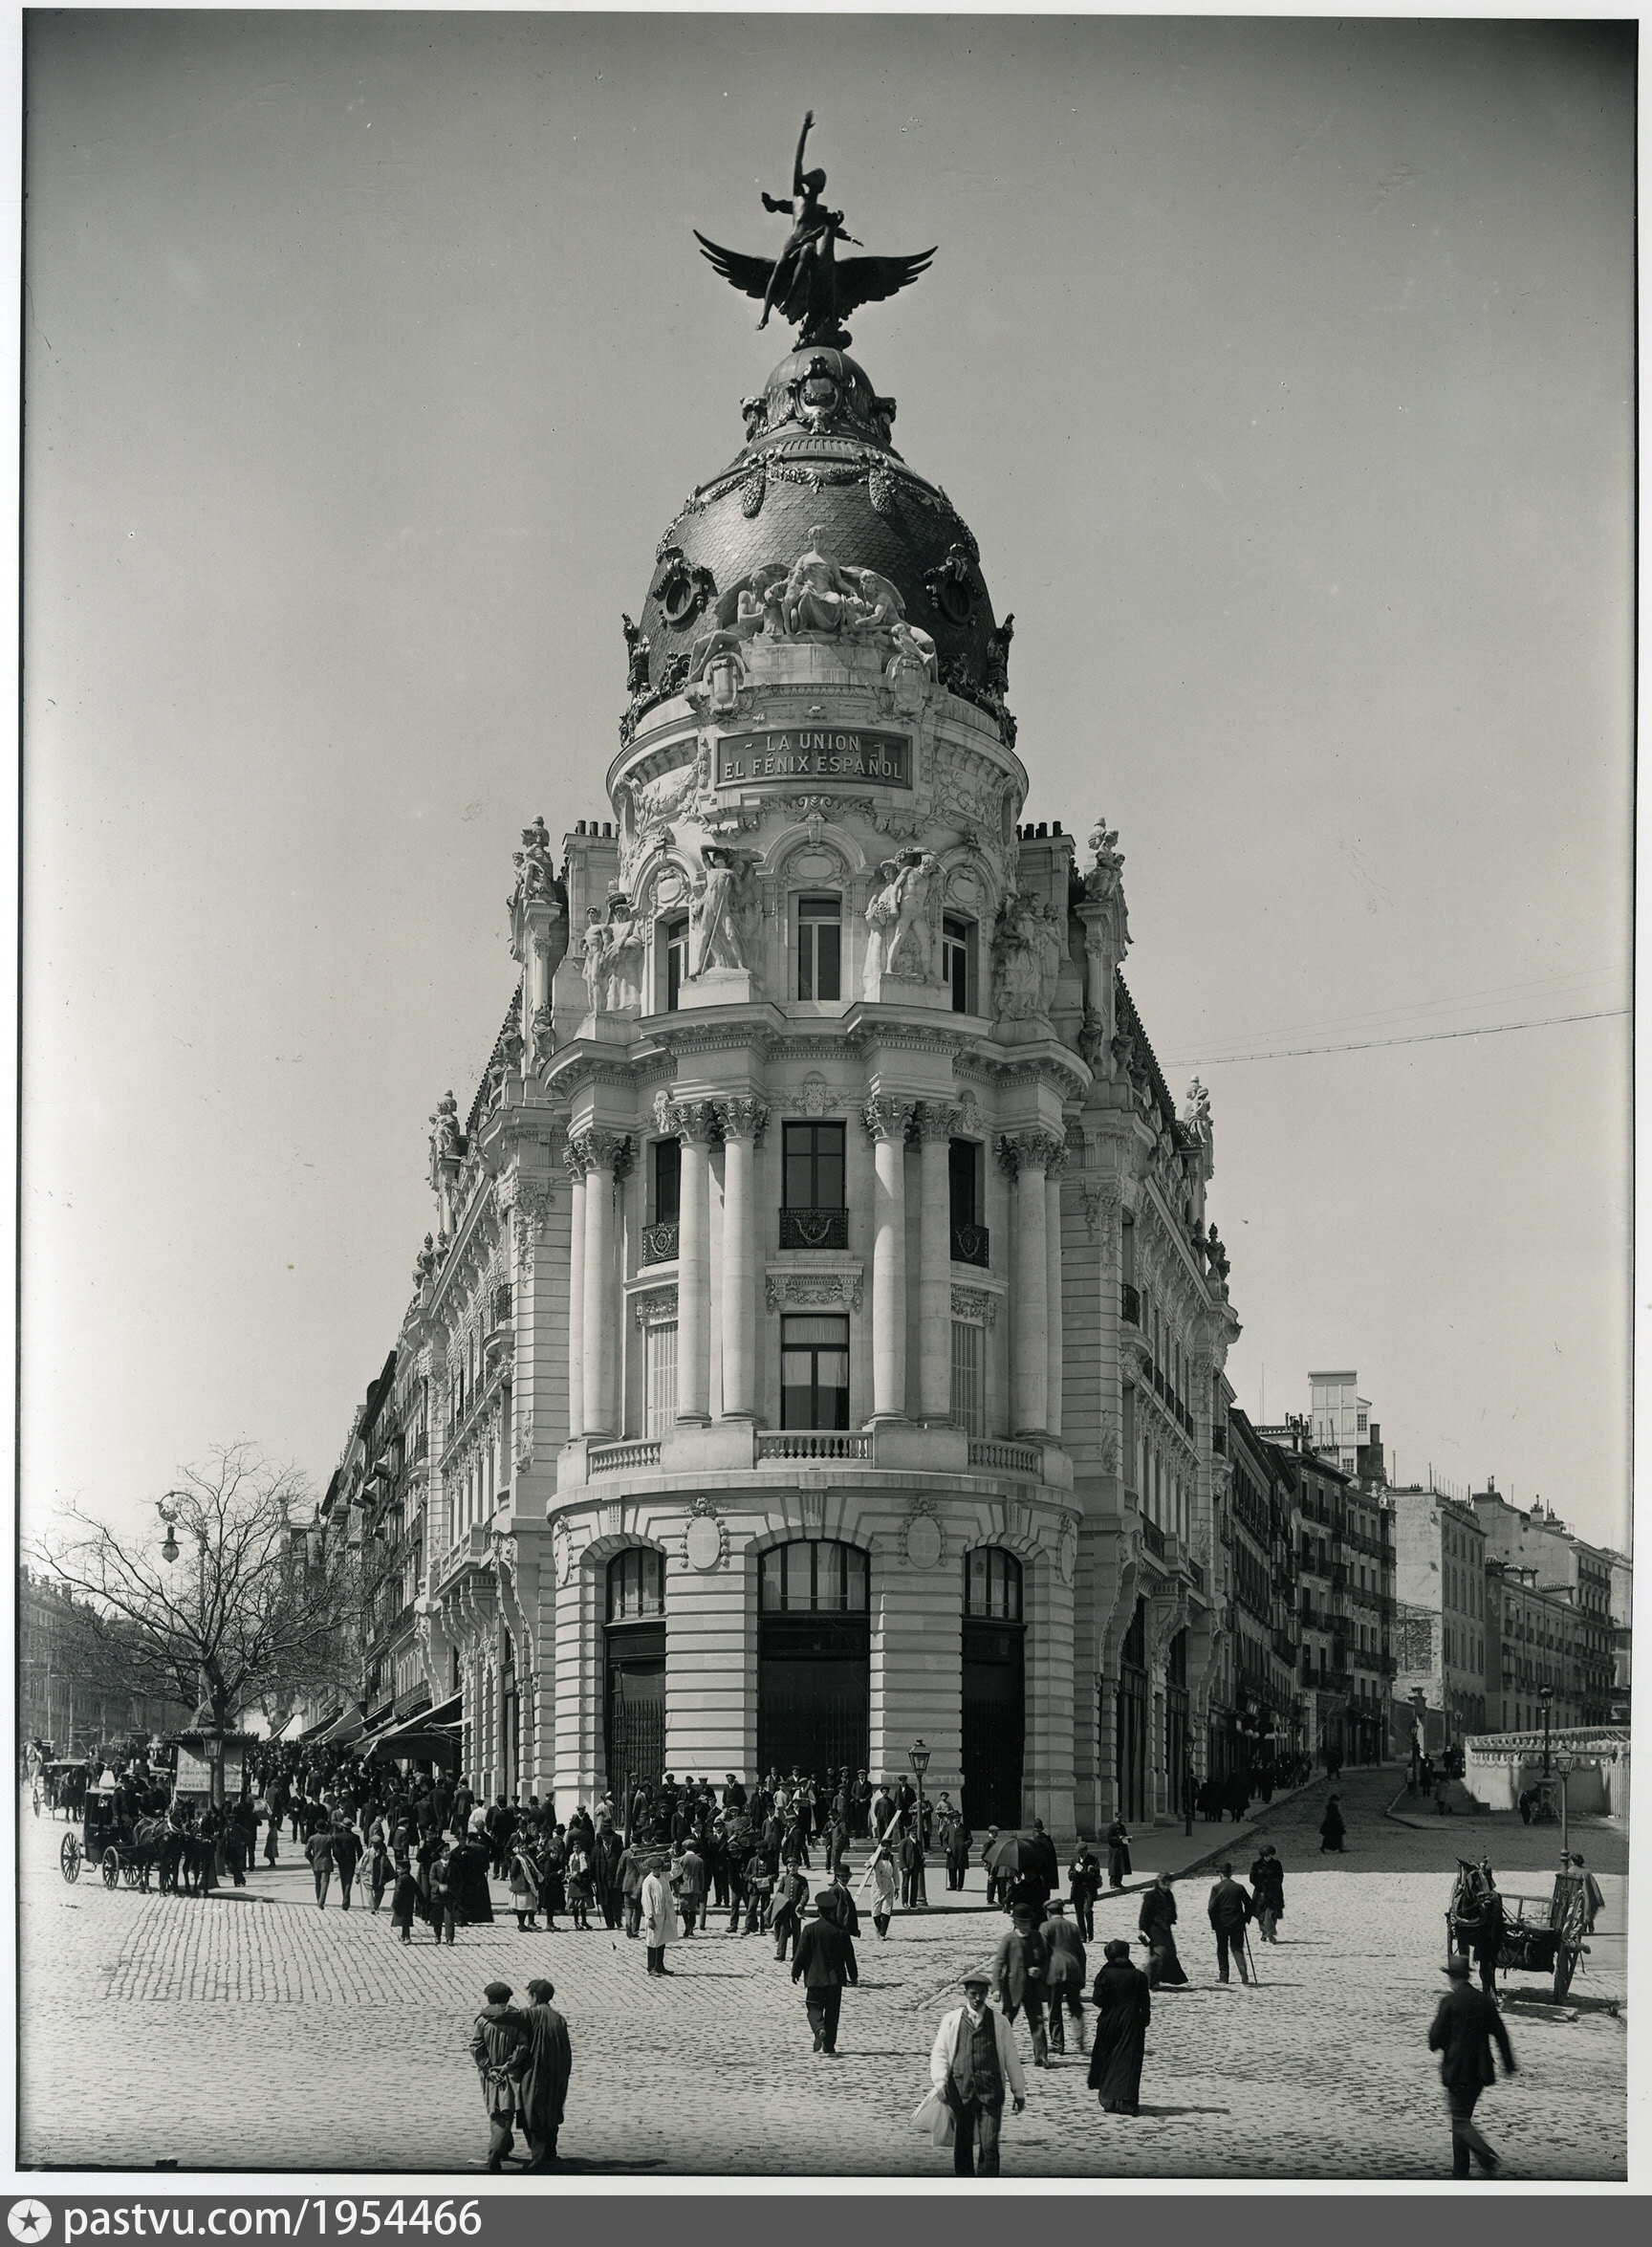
<point>262,2034</point>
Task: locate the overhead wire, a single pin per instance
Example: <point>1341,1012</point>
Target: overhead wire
<point>1371,1044</point>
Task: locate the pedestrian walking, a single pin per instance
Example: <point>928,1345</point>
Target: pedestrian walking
<point>318,1848</point>
<point>544,2087</point>
<point>552,1876</point>
<point>500,2045</point>
<point>1124,2010</point>
<point>444,1917</point>
<point>792,1895</point>
<point>405,1902</point>
<point>1461,2033</point>
<point>1083,1886</point>
<point>1064,1976</point>
<point>661,1925</point>
<point>1020,1966</point>
<point>1156,1922</point>
<point>882,1874</point>
<point>824,1963</point>
<point>346,1857</point>
<point>1230,1909</point>
<point>972,2067</point>
<point>576,1877</point>
<point>1268,1892</point>
<point>524,1884</point>
<point>633,1869</point>
<point>691,1888</point>
<point>1118,1853</point>
<point>1331,1828</point>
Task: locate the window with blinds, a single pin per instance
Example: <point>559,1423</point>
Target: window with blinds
<point>660,1379</point>
<point>968,1378</point>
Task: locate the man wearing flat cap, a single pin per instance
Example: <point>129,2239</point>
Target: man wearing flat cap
<point>971,2066</point>
<point>500,2045</point>
<point>1462,2033</point>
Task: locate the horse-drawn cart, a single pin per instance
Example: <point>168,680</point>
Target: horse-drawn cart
<point>1541,1934</point>
<point>122,1847</point>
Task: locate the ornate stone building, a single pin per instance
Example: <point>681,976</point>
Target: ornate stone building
<point>819,1337</point>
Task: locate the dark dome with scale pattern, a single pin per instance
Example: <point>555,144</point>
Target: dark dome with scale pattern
<point>817,452</point>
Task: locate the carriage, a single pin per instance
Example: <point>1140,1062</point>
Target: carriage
<point>124,1850</point>
<point>1541,1934</point>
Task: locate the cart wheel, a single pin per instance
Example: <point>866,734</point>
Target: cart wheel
<point>131,1872</point>
<point>1565,1965</point>
<point>111,1868</point>
<point>69,1859</point>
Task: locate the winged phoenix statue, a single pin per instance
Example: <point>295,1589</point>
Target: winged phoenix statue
<point>806,283</point>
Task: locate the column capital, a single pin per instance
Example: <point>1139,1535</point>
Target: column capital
<point>935,1121</point>
<point>742,1118</point>
<point>1029,1150</point>
<point>694,1121</point>
<point>885,1120</point>
<point>600,1150</point>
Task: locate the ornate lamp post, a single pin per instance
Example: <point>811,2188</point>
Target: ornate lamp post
<point>166,1506</point>
<point>918,1755</point>
<point>1546,1694</point>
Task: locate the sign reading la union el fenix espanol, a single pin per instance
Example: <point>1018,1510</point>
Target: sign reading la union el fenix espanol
<point>815,752</point>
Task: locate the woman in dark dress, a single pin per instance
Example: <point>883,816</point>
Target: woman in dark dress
<point>1330,1828</point>
<point>1123,2009</point>
<point>467,1883</point>
<point>1157,1919</point>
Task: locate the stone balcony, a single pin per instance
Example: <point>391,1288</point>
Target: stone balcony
<point>692,1456</point>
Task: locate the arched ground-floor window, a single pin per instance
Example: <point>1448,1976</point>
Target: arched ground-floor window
<point>994,1672</point>
<point>814,1658</point>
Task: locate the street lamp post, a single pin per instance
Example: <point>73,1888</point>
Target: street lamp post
<point>167,1509</point>
<point>1546,1694</point>
<point>918,1755</point>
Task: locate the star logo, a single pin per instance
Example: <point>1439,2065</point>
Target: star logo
<point>28,2220</point>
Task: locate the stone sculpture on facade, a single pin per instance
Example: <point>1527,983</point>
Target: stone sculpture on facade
<point>900,920</point>
<point>1026,947</point>
<point>724,915</point>
<point>612,952</point>
<point>995,671</point>
<point>446,1141</point>
<point>635,656</point>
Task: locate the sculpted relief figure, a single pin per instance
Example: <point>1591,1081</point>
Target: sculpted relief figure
<point>445,1137</point>
<point>594,958</point>
<point>1019,960</point>
<point>1047,926</point>
<point>898,920</point>
<point>635,656</point>
<point>724,915</point>
<point>623,959</point>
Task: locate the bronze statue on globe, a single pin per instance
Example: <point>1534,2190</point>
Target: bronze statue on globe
<point>806,282</point>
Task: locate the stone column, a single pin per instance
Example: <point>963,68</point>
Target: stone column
<point>693,1128</point>
<point>576,1163</point>
<point>935,1278</point>
<point>886,1121</point>
<point>1057,1163</point>
<point>741,1122</point>
<point>1026,1157</point>
<point>602,1152</point>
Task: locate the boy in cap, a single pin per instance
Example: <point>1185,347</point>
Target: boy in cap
<point>500,2045</point>
<point>971,2065</point>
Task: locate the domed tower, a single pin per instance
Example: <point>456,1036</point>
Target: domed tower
<point>819,1124</point>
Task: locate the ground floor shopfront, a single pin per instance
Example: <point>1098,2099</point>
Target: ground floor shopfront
<point>816,1631</point>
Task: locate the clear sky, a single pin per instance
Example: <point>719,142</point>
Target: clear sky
<point>1283,372</point>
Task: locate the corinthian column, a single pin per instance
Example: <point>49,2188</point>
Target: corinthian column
<point>1057,1163</point>
<point>741,1122</point>
<point>886,1121</point>
<point>602,1152</point>
<point>1026,1157</point>
<point>693,1128</point>
<point>935,1272</point>
<point>576,1163</point>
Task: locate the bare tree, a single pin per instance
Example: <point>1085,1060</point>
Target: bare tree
<point>228,1600</point>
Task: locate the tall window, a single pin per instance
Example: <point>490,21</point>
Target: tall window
<point>819,948</point>
<point>969,1382</point>
<point>814,1166</point>
<point>667,1180</point>
<point>636,1585</point>
<point>660,1378</point>
<point>970,1242</point>
<point>956,945</point>
<point>814,1575</point>
<point>675,936</point>
<point>993,1583</point>
<point>815,1373</point>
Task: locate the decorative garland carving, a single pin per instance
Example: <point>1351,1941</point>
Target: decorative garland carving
<point>975,1302</point>
<point>657,1308</point>
<point>805,1288</point>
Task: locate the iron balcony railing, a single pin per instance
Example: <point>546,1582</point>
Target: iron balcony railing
<point>1153,1538</point>
<point>660,1243</point>
<point>971,1244</point>
<point>1129,1304</point>
<point>814,1228</point>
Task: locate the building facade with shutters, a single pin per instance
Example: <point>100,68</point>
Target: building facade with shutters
<point>819,1339</point>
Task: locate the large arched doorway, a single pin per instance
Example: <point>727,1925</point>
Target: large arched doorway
<point>1130,1741</point>
<point>635,1650</point>
<point>814,1658</point>
<point>994,1688</point>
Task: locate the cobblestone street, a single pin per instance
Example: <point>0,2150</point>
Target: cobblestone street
<point>259,2033</point>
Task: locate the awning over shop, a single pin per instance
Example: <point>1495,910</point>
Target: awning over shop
<point>316,1732</point>
<point>292,1731</point>
<point>348,1725</point>
<point>433,1734</point>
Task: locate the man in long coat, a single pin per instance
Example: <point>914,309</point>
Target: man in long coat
<point>1268,1892</point>
<point>824,1961</point>
<point>1019,1966</point>
<point>1461,2033</point>
<point>545,2080</point>
<point>1064,1976</point>
<point>1118,1853</point>
<point>658,1915</point>
<point>1230,1909</point>
<point>1123,2009</point>
<point>499,2045</point>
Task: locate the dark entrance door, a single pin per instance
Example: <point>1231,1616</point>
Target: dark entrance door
<point>635,1711</point>
<point>813,1692</point>
<point>1130,1744</point>
<point>994,1719</point>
